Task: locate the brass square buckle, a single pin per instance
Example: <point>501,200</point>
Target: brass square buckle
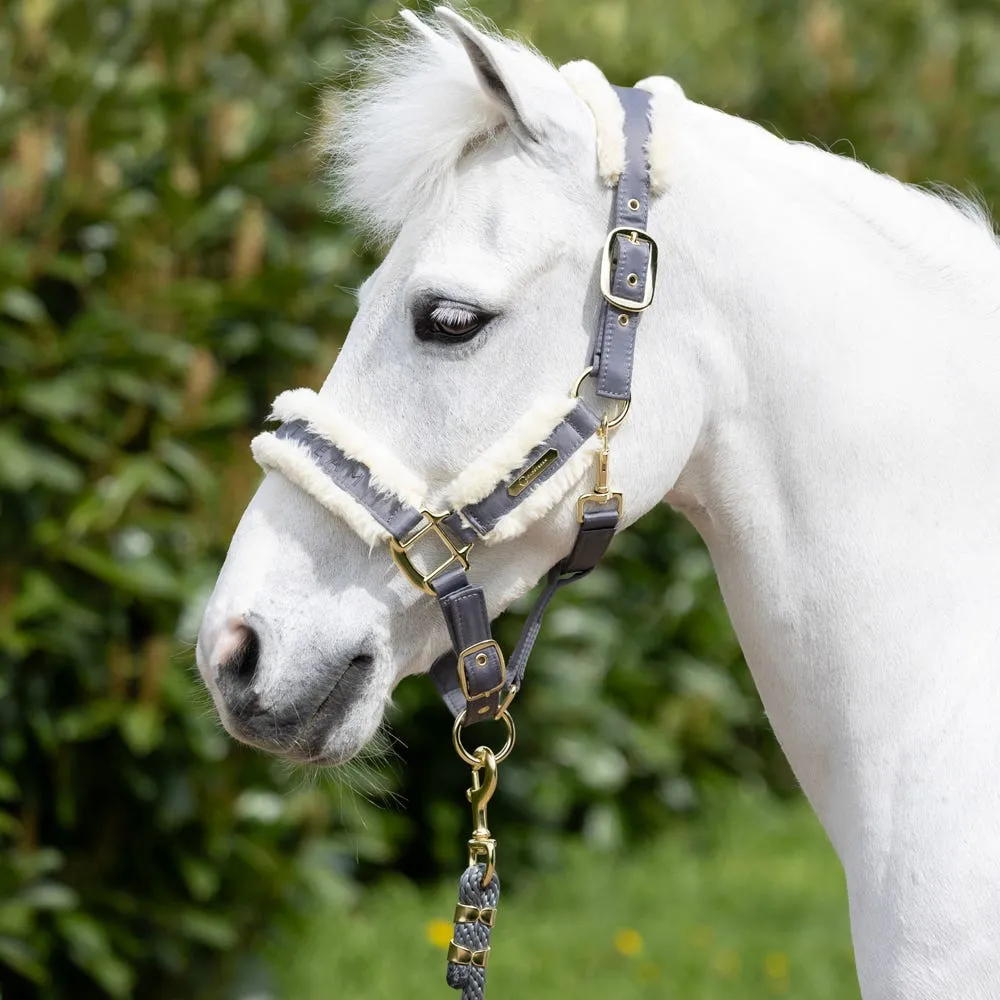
<point>481,659</point>
<point>619,302</point>
<point>401,552</point>
<point>601,498</point>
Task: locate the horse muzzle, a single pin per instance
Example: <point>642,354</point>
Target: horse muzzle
<point>300,720</point>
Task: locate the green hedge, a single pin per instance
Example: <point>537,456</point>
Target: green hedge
<point>166,268</point>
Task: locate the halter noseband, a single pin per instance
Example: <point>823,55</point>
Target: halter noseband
<point>473,679</point>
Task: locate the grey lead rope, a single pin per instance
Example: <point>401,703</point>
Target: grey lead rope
<point>474,919</point>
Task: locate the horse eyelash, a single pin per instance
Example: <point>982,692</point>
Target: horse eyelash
<point>443,312</point>
<point>453,315</point>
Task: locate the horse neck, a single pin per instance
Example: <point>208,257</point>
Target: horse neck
<point>845,482</point>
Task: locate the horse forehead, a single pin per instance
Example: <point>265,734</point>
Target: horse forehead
<point>514,227</point>
<point>502,195</point>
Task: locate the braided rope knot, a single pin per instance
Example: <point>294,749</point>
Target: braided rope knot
<point>475,915</point>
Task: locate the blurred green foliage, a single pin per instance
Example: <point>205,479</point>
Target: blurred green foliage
<point>166,268</point>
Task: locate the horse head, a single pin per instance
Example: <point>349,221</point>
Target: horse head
<point>491,173</point>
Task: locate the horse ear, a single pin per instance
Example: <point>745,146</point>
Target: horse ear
<point>420,27</point>
<point>487,58</point>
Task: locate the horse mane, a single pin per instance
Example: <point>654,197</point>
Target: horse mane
<point>394,140</point>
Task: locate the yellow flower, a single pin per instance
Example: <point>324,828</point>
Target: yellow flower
<point>628,942</point>
<point>438,933</point>
<point>776,965</point>
<point>728,963</point>
<point>648,972</point>
<point>776,970</point>
<point>701,936</point>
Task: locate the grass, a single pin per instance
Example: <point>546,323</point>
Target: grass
<point>747,904</point>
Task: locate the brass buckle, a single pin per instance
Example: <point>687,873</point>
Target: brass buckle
<point>479,648</point>
<point>602,498</point>
<point>635,235</point>
<point>400,552</point>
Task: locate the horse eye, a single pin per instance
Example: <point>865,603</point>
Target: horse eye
<point>448,322</point>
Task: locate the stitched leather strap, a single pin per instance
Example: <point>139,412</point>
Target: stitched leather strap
<point>354,478</point>
<point>592,540</point>
<point>564,441</point>
<point>631,268</point>
<point>477,665</point>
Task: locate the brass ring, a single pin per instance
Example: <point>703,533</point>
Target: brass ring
<point>502,754</point>
<point>579,382</point>
<point>623,404</point>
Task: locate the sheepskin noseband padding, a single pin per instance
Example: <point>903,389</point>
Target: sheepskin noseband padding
<point>390,476</point>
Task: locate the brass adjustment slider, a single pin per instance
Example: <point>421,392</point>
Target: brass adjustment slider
<point>602,491</point>
<point>400,551</point>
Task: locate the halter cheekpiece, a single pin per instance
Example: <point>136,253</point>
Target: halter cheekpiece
<point>314,450</point>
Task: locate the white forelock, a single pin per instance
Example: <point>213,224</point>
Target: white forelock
<point>394,142</point>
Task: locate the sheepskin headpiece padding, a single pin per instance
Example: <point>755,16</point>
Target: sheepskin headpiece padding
<point>592,87</point>
<point>664,114</point>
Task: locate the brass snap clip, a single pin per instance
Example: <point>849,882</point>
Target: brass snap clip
<point>602,490</point>
<point>484,784</point>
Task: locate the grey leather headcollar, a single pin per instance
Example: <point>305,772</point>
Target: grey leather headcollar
<point>629,271</point>
<point>473,678</point>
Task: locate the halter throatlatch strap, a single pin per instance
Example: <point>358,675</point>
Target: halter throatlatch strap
<point>628,268</point>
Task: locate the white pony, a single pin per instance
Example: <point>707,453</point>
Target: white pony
<point>817,387</point>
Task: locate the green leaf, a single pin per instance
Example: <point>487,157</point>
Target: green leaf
<point>9,788</point>
<point>91,949</point>
<point>23,959</point>
<point>208,928</point>
<point>24,465</point>
<point>202,878</point>
<point>49,896</point>
<point>20,304</point>
<point>142,728</point>
<point>147,576</point>
<point>67,396</point>
<point>88,722</point>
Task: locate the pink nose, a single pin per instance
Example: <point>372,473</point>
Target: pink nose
<point>234,659</point>
<point>232,644</point>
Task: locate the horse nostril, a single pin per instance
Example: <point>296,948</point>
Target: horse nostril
<point>242,662</point>
<point>363,661</point>
<point>236,655</point>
